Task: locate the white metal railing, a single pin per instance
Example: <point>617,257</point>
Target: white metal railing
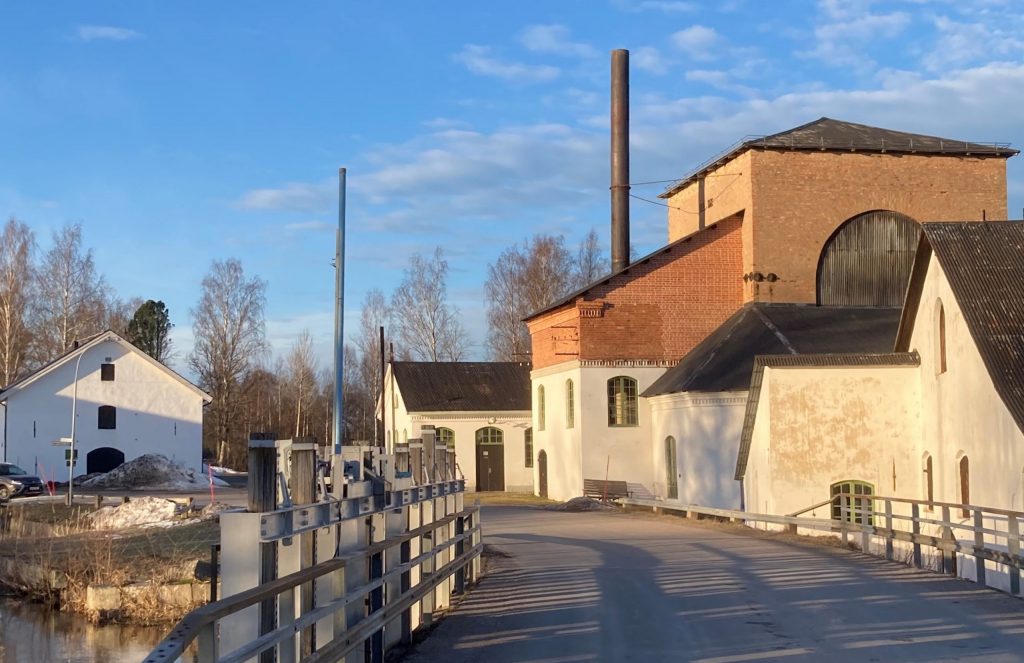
<point>991,536</point>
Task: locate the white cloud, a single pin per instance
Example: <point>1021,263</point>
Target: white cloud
<point>479,60</point>
<point>554,39</point>
<point>316,226</point>
<point>648,58</point>
<point>666,6</point>
<point>293,196</point>
<point>842,39</point>
<point>107,32</point>
<point>959,44</point>
<point>698,41</point>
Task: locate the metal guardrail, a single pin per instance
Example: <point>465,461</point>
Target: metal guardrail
<point>999,542</point>
<point>201,624</point>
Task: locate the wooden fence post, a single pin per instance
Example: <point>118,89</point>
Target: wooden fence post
<point>888,525</point>
<point>1013,547</point>
<point>948,556</point>
<point>979,545</point>
<point>304,492</point>
<point>915,514</point>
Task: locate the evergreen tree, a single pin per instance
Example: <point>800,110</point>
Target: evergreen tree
<point>150,329</point>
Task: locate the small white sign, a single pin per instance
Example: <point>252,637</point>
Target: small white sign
<point>62,442</point>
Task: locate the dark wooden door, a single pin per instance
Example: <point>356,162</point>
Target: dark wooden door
<point>490,466</point>
<point>542,470</point>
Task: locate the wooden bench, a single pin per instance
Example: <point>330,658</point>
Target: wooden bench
<point>601,489</point>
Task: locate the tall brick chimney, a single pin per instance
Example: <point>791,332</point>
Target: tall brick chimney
<point>620,159</point>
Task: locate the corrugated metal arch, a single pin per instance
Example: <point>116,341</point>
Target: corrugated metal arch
<point>867,260</point>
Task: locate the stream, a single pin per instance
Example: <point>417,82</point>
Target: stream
<point>32,633</point>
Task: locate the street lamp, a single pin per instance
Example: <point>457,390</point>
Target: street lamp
<point>74,417</point>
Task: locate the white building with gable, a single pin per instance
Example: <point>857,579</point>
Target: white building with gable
<point>126,405</point>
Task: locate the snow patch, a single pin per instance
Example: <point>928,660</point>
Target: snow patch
<point>140,511</point>
<point>151,472</point>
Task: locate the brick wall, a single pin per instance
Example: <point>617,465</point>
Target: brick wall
<point>657,311</point>
<point>799,199</point>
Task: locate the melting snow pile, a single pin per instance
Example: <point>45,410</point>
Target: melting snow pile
<point>152,472</point>
<point>577,504</point>
<point>140,511</point>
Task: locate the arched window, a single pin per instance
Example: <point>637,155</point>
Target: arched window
<point>965,484</point>
<point>847,494</point>
<point>405,436</point>
<point>107,417</point>
<point>490,435</point>
<point>446,435</point>
<point>867,261</point>
<point>622,402</point>
<point>570,410</point>
<point>671,469</point>
<point>540,407</point>
<point>940,339</point>
<point>929,482</point>
<point>528,442</point>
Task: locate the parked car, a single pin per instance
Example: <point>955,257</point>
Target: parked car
<point>15,482</point>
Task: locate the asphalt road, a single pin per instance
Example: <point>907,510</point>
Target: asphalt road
<point>615,587</point>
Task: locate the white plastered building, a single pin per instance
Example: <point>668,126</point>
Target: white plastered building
<point>126,405</point>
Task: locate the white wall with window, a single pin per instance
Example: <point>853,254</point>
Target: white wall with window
<point>706,428</point>
<point>585,445</point>
<point>127,403</point>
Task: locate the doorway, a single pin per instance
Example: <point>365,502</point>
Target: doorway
<point>103,459</point>
<point>542,471</point>
<point>490,459</point>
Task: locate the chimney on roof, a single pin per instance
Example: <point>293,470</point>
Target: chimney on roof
<point>620,159</point>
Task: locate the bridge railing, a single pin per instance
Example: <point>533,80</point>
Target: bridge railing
<point>314,581</point>
<point>991,537</point>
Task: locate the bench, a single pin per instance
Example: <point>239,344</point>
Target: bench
<point>601,489</point>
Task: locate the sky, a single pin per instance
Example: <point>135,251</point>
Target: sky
<point>182,133</point>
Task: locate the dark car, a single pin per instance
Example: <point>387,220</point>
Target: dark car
<point>15,481</point>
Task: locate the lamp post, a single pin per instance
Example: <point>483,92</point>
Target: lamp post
<point>74,418</point>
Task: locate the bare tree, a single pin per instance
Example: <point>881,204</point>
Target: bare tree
<point>70,295</point>
<point>17,244</point>
<point>362,390</point>
<point>229,332</point>
<point>302,370</point>
<point>590,263</point>
<point>425,324</point>
<point>523,280</point>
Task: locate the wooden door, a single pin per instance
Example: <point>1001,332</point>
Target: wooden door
<point>490,459</point>
<point>542,470</point>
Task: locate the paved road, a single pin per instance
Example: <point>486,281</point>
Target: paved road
<point>615,587</point>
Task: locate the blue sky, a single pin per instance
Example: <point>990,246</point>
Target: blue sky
<point>180,133</point>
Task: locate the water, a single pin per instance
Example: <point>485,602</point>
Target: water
<point>32,633</point>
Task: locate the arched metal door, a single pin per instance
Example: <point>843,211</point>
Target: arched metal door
<point>867,261</point>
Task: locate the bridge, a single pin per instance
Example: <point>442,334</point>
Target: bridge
<point>319,575</point>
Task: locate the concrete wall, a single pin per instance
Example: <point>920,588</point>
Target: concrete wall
<point>155,414</point>
<point>825,425</point>
<point>963,413</point>
<point>707,428</point>
<point>591,448</point>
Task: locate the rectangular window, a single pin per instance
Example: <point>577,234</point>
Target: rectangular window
<point>107,372</point>
<point>107,417</point>
<point>529,447</point>
<point>570,405</point>
<point>852,497</point>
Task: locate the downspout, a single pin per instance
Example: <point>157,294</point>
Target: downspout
<point>4,403</point>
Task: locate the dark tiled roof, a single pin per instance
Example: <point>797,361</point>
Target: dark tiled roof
<point>847,359</point>
<point>828,134</point>
<point>724,360</point>
<point>984,264</point>
<point>463,386</point>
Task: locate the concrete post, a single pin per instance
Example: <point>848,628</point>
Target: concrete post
<point>262,485</point>
<point>303,487</point>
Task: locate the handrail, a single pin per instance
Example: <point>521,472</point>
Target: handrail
<point>189,628</point>
<point>812,507</point>
<point>861,508</point>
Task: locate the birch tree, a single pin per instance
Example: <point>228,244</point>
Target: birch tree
<point>17,244</point>
<point>590,263</point>
<point>230,338</point>
<point>302,370</point>
<point>426,325</point>
<point>70,295</point>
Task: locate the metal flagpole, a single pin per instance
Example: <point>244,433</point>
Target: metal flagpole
<point>339,312</point>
